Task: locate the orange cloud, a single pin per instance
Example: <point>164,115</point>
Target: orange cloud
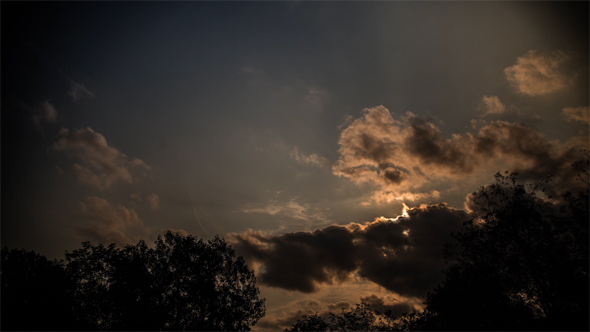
<point>492,105</point>
<point>538,73</point>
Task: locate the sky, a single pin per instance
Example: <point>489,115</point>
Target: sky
<point>335,145</point>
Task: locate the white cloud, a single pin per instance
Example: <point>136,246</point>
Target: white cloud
<point>538,73</point>
<point>581,114</point>
<point>99,165</point>
<point>492,105</point>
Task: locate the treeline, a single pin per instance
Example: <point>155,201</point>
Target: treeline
<point>522,266</point>
<point>181,284</point>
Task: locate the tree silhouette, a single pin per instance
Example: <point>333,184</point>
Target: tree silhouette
<point>35,292</point>
<point>181,284</point>
<point>524,265</point>
<point>361,318</point>
<point>310,323</point>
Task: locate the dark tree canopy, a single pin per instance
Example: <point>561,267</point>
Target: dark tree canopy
<point>523,266</point>
<point>181,284</point>
<point>361,318</point>
<point>34,292</point>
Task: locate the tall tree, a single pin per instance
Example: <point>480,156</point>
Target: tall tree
<point>523,265</point>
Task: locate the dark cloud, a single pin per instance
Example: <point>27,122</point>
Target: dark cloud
<point>402,255</point>
<point>426,142</point>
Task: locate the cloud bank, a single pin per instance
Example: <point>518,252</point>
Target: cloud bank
<point>403,157</point>
<point>402,255</point>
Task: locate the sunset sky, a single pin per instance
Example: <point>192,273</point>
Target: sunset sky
<point>295,130</point>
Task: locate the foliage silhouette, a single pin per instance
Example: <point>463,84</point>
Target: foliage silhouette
<point>524,265</point>
<point>181,284</point>
<point>361,318</point>
<point>35,292</point>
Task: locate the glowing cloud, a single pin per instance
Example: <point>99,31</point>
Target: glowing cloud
<point>401,157</point>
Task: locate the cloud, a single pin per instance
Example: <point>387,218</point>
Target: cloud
<point>492,105</point>
<point>402,255</point>
<point>581,114</point>
<point>99,165</point>
<point>403,158</point>
<point>290,210</point>
<point>106,223</point>
<point>538,73</point>
<point>45,112</point>
<point>78,91</point>
<point>312,159</point>
<point>154,201</point>
<point>338,305</point>
<point>316,97</point>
